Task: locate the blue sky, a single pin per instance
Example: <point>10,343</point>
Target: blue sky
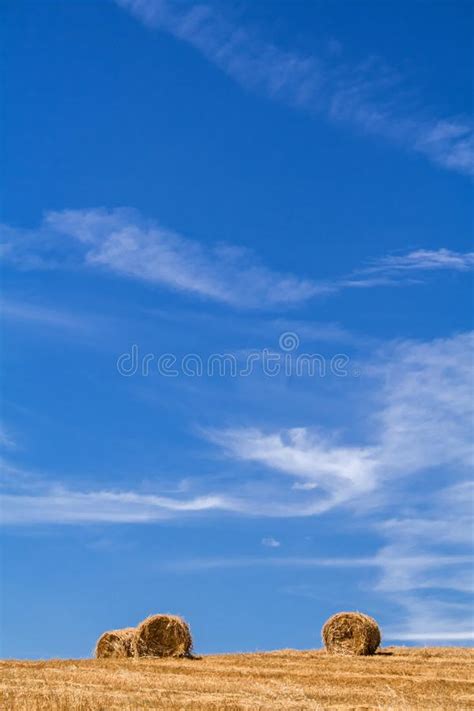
<point>258,181</point>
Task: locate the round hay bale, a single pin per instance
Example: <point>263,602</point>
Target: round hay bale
<point>351,633</point>
<point>115,644</point>
<point>162,636</point>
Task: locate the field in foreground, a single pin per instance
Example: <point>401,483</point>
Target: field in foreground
<point>395,678</point>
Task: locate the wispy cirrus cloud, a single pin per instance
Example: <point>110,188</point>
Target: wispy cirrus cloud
<point>6,438</point>
<point>418,426</point>
<point>434,593</point>
<point>437,537</point>
<point>433,620</point>
<point>421,426</point>
<point>270,542</point>
<point>368,96</point>
<point>413,264</point>
<point>314,459</point>
<point>49,503</point>
<point>422,420</point>
<point>59,505</point>
<point>15,310</point>
<point>427,561</point>
<point>419,421</point>
<point>426,412</point>
<point>123,242</point>
<point>426,260</point>
<point>409,268</point>
<point>278,561</point>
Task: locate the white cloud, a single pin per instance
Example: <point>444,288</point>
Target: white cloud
<point>6,438</point>
<point>191,564</point>
<point>427,259</point>
<point>407,268</point>
<point>432,620</point>
<point>426,409</point>
<point>443,526</point>
<point>446,519</point>
<point>121,241</point>
<point>313,458</point>
<point>414,463</point>
<point>58,505</point>
<point>427,566</point>
<point>367,96</point>
<point>443,635</point>
<point>420,423</point>
<point>44,316</point>
<point>409,568</point>
<point>270,542</point>
<point>422,420</point>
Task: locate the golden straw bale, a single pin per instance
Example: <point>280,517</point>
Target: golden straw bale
<point>351,633</point>
<point>115,644</point>
<point>162,636</point>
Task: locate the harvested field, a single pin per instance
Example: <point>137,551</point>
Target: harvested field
<point>394,678</point>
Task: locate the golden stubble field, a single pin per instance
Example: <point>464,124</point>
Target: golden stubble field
<point>395,678</point>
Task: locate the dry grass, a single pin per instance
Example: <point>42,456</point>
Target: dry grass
<point>351,633</point>
<point>395,678</point>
